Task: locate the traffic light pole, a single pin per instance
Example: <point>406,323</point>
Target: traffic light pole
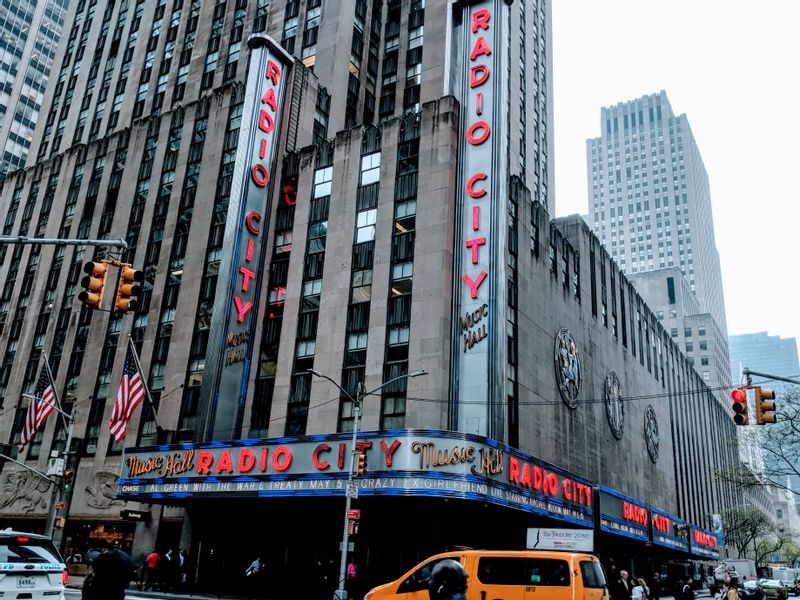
<point>351,491</point>
<point>747,373</point>
<point>56,493</point>
<point>24,239</point>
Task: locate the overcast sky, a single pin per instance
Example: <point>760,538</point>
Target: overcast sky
<point>733,68</point>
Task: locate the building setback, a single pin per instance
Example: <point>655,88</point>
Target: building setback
<point>365,260</point>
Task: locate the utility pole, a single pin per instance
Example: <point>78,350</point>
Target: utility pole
<point>746,373</point>
<point>351,491</point>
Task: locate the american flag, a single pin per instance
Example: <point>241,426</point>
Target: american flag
<point>41,406</point>
<point>130,395</point>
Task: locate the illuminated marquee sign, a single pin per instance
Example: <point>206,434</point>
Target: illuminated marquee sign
<point>479,356</point>
<point>622,515</point>
<point>235,312</point>
<point>405,463</point>
<point>669,531</point>
<point>703,542</point>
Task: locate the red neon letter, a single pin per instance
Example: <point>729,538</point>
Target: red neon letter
<point>526,476</point>
<point>204,461</point>
<point>320,464</point>
<point>567,488</point>
<point>474,245</point>
<point>252,216</point>
<point>282,458</point>
<point>513,470</point>
<point>273,72</point>
<point>471,191</point>
<point>262,464</point>
<point>247,460</point>
<point>389,451</point>
<point>478,75</point>
<point>480,47</point>
<point>265,122</point>
<point>480,19</point>
<point>290,195</point>
<point>476,217</point>
<point>241,309</point>
<point>474,284</point>
<point>269,100</point>
<point>224,463</point>
<point>248,275</point>
<point>485,131</point>
<point>260,175</point>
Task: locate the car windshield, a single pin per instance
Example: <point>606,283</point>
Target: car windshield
<point>28,550</point>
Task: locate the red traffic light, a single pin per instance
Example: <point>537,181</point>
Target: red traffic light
<point>739,397</point>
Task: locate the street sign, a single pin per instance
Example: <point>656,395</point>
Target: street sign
<point>573,540</point>
<point>55,466</point>
<point>352,490</point>
<point>141,516</point>
<point>59,505</point>
<point>354,513</point>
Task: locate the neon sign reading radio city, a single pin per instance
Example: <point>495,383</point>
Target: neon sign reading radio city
<point>259,174</point>
<point>478,133</point>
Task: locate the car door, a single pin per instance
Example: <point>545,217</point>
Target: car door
<point>498,578</point>
<point>549,579</point>
<point>593,578</point>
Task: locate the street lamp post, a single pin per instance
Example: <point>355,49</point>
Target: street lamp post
<point>341,593</point>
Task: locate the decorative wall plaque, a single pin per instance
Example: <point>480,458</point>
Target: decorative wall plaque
<point>615,409</point>
<point>568,368</point>
<point>651,432</point>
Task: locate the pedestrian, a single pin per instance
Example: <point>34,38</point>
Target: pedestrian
<point>733,589</point>
<point>448,581</point>
<point>109,574</point>
<point>687,593</point>
<point>183,568</point>
<point>166,567</point>
<point>639,591</point>
<point>352,577</point>
<point>623,587</point>
<point>151,574</point>
<point>655,587</point>
<point>253,576</point>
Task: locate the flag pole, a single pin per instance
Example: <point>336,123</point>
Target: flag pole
<point>55,393</point>
<point>132,346</point>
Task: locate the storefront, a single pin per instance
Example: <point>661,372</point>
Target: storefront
<point>422,492</point>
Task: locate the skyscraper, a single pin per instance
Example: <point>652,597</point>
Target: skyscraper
<point>650,204</point>
<point>649,196</point>
<point>29,35</point>
<point>764,353</point>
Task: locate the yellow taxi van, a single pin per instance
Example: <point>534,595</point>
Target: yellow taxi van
<point>508,575</point>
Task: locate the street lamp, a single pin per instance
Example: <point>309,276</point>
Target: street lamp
<point>340,593</point>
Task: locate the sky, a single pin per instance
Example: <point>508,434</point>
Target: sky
<point>733,68</point>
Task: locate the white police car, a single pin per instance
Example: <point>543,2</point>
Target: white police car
<point>30,567</point>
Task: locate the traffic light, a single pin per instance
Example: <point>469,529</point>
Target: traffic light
<point>739,397</point>
<point>93,283</point>
<point>128,289</point>
<point>765,411</point>
<point>67,481</point>
<point>361,468</point>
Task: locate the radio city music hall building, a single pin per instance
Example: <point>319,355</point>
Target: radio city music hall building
<point>365,203</point>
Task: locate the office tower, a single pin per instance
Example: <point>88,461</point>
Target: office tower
<point>650,204</point>
<point>764,353</point>
<point>358,196</point>
<point>29,35</point>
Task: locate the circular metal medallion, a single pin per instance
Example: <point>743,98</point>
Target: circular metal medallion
<point>615,409</point>
<point>651,432</point>
<point>568,368</point>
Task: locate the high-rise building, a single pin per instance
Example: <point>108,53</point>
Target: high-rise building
<point>764,353</point>
<point>650,204</point>
<point>358,196</point>
<point>29,35</point>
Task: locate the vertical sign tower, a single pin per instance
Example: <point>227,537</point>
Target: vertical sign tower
<point>241,270</point>
<point>480,71</point>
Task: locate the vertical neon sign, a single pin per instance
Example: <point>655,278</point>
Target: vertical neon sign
<point>241,268</point>
<point>479,328</point>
